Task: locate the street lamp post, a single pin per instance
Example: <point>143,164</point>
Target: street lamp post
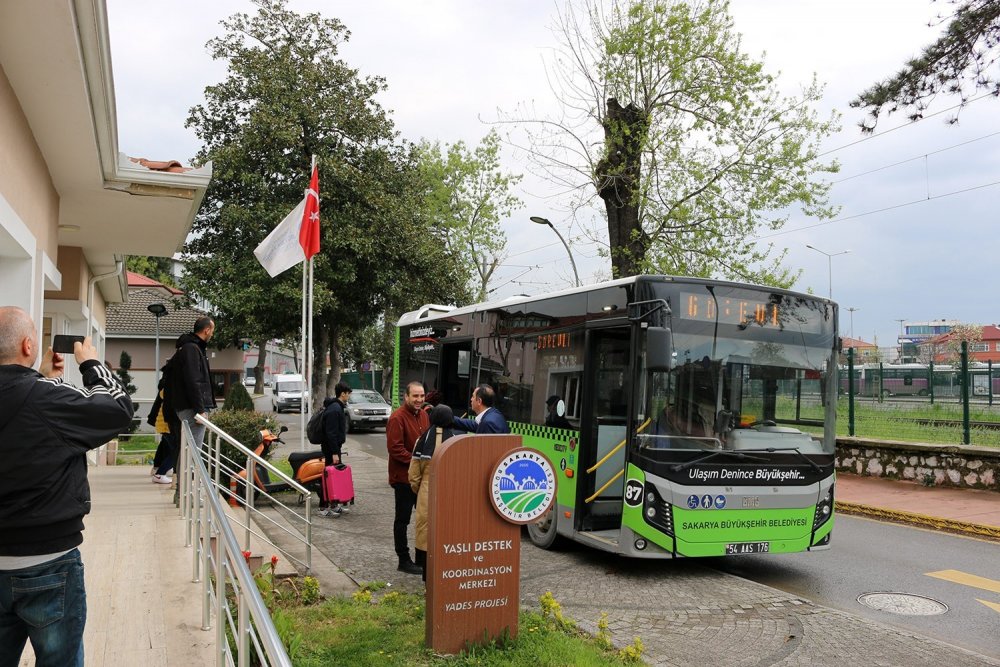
<point>851,310</point>
<point>158,310</point>
<point>543,221</point>
<point>829,262</point>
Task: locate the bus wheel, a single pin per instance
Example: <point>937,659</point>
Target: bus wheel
<point>543,533</point>
<point>885,393</point>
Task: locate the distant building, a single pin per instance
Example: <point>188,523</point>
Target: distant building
<point>984,351</point>
<point>917,333</point>
<point>864,352</point>
<point>132,328</point>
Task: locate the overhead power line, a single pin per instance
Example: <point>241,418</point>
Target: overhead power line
<point>880,210</point>
<point>910,124</point>
<point>917,157</point>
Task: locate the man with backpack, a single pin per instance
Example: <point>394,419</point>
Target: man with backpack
<point>334,422</point>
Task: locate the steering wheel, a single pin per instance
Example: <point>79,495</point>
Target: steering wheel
<point>763,422</point>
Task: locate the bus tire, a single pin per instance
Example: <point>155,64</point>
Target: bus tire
<point>885,393</point>
<point>543,534</point>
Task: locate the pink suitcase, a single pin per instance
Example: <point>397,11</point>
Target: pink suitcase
<point>338,483</point>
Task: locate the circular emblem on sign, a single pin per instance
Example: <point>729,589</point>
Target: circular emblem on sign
<point>693,502</point>
<point>706,502</point>
<point>720,502</point>
<point>522,486</point>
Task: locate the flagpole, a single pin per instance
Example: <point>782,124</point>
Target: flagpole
<point>308,306</point>
<point>312,361</point>
<point>305,372</point>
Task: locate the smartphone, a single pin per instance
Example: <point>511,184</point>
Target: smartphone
<point>64,344</point>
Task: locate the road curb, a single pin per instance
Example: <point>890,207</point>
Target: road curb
<point>950,525</point>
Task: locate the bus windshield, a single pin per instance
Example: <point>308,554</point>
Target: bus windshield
<point>746,376</point>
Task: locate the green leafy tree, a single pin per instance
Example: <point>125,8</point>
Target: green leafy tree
<point>157,268</point>
<point>961,62</point>
<point>288,96</point>
<point>682,137</point>
<point>468,194</point>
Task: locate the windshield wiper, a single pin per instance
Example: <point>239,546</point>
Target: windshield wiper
<point>798,452</point>
<point>722,452</point>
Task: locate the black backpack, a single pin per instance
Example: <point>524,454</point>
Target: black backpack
<point>315,430</point>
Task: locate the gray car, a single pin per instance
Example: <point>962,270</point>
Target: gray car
<point>366,409</point>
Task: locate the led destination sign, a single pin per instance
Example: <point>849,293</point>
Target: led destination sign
<point>769,311</point>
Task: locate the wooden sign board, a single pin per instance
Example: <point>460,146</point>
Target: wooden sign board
<point>473,554</point>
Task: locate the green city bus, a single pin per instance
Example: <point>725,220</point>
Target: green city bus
<point>672,409</point>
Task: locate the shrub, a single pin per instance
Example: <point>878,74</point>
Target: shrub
<point>124,366</point>
<point>238,398</point>
<point>245,428</point>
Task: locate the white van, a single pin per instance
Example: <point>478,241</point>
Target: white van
<point>287,392</point>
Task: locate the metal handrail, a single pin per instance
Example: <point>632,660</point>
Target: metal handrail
<point>227,566</point>
<point>213,453</point>
<point>247,501</point>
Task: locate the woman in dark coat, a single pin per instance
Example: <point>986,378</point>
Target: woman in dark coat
<point>441,419</point>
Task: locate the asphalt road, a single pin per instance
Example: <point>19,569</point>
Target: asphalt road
<point>867,556</point>
<point>872,556</point>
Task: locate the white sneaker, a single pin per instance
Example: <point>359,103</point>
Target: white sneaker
<point>161,479</point>
<point>330,512</point>
<point>343,509</point>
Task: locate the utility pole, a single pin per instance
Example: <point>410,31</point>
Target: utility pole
<point>900,339</point>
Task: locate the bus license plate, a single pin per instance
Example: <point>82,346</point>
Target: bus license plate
<point>747,548</point>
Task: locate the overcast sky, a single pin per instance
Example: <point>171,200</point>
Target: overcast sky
<point>920,248</point>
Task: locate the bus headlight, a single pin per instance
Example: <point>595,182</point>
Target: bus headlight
<point>657,512</point>
<point>824,510</point>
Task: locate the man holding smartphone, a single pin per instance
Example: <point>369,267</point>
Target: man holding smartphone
<point>47,426</point>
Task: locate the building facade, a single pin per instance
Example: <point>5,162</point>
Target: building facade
<point>71,205</point>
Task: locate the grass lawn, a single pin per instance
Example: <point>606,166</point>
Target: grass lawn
<point>387,628</point>
<point>137,449</point>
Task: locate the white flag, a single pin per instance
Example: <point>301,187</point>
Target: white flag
<point>281,249</point>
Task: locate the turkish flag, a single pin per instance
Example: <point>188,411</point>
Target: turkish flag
<point>309,229</point>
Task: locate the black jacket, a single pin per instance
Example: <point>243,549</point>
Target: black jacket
<point>46,428</point>
<point>190,376</point>
<point>334,426</point>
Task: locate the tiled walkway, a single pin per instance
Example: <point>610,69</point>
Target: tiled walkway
<point>143,609</point>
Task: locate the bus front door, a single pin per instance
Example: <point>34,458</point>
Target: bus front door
<point>603,428</point>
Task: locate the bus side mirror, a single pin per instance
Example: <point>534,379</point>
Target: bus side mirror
<point>659,349</point>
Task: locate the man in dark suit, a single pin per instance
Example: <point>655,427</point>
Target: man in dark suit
<point>488,418</point>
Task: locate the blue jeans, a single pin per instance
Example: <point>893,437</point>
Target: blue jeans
<point>47,604</point>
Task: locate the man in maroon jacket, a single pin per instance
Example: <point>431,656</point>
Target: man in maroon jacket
<point>405,426</point>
